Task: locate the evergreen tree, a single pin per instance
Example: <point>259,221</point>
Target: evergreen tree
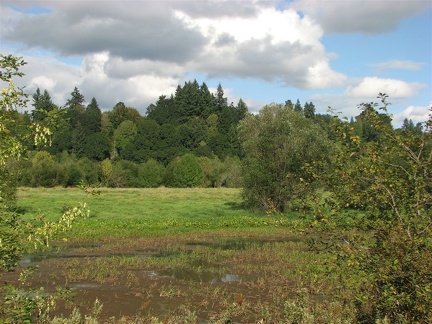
<point>187,101</point>
<point>226,119</point>
<point>241,110</point>
<point>289,104</point>
<point>42,104</point>
<point>75,108</point>
<point>91,121</point>
<point>309,110</point>
<point>164,111</point>
<point>76,101</point>
<point>192,133</point>
<point>298,106</point>
<point>221,101</point>
<point>207,101</point>
<point>97,146</point>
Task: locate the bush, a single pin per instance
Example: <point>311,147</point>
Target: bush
<point>391,180</point>
<point>184,171</point>
<point>151,174</point>
<point>44,170</point>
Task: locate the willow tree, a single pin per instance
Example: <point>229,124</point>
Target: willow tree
<point>283,151</point>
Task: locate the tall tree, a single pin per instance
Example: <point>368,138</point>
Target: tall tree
<point>76,101</point>
<point>298,107</point>
<point>282,149</point>
<point>42,104</point>
<point>207,101</point>
<point>91,121</point>
<point>187,101</point>
<point>74,108</point>
<point>241,110</point>
<point>163,111</point>
<point>309,110</point>
<point>221,101</point>
<point>228,117</point>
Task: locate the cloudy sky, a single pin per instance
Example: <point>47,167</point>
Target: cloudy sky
<point>335,53</point>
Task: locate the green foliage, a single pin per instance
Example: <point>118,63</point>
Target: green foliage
<point>107,173</point>
<point>124,134</point>
<point>388,176</point>
<point>184,172</point>
<point>283,152</point>
<point>42,104</point>
<point>19,306</point>
<point>126,174</point>
<point>151,174</point>
<point>44,170</point>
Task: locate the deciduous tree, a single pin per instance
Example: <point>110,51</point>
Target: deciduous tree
<point>283,149</point>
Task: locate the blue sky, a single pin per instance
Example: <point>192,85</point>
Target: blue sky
<point>331,52</point>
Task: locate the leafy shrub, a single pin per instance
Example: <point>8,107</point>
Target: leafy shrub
<point>151,174</point>
<point>390,179</point>
<point>184,171</point>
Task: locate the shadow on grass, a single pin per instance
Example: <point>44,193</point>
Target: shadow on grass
<point>233,205</point>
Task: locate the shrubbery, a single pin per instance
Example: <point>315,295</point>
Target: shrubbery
<point>41,169</point>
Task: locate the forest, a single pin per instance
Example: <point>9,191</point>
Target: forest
<point>189,139</point>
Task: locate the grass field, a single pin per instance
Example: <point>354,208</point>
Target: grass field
<point>183,256</point>
<point>143,212</point>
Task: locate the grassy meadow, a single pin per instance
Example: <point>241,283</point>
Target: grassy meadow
<point>143,212</point>
<point>184,256</point>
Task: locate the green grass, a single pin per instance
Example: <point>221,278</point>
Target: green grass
<point>143,212</point>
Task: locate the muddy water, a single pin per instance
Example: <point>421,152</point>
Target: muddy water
<point>155,291</point>
<point>141,285</point>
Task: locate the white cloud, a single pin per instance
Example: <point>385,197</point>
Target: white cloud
<point>362,16</point>
<point>50,74</point>
<point>371,86</point>
<point>136,89</point>
<point>418,114</point>
<point>273,45</point>
<point>234,38</point>
<point>398,65</point>
<point>347,104</point>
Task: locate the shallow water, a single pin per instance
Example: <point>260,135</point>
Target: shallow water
<point>157,291</point>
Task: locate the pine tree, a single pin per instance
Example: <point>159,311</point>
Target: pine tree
<point>42,104</point>
<point>92,118</point>
<point>298,106</point>
<point>221,101</point>
<point>76,101</point>
<point>309,110</point>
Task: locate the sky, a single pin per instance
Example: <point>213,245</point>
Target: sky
<point>335,53</point>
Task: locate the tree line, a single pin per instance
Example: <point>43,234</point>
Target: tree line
<point>122,148</point>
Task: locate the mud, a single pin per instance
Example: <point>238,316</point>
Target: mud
<point>138,289</point>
